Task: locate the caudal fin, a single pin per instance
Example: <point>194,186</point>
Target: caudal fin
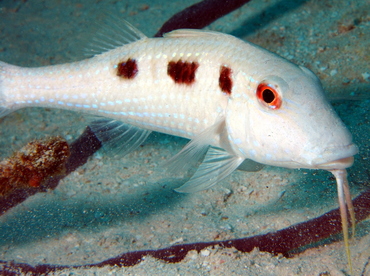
<point>4,110</point>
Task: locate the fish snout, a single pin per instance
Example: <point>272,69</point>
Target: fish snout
<point>337,157</point>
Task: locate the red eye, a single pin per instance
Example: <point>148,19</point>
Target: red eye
<point>268,95</point>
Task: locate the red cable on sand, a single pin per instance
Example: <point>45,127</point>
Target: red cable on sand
<point>200,15</point>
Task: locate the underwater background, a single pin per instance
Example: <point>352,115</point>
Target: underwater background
<point>114,204</point>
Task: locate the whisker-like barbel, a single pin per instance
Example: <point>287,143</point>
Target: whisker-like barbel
<point>345,205</point>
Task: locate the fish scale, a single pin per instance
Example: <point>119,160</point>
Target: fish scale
<point>93,86</point>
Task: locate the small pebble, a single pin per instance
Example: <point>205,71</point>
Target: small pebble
<point>179,240</point>
<point>205,252</point>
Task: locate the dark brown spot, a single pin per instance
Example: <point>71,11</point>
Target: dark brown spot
<point>225,82</point>
<point>182,72</point>
<point>127,69</point>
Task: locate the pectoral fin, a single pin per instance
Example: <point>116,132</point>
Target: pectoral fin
<point>194,150</point>
<point>217,165</point>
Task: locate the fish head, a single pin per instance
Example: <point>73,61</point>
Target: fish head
<point>283,119</point>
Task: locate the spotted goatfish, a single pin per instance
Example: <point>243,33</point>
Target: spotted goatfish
<point>240,105</point>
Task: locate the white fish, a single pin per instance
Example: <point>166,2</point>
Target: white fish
<point>236,101</point>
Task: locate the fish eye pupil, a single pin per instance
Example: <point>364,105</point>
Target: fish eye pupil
<point>268,96</point>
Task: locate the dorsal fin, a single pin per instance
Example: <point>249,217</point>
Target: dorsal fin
<point>112,33</point>
<point>190,33</point>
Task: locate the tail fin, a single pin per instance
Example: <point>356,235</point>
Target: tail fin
<point>4,110</point>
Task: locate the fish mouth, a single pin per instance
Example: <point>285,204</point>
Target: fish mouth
<point>343,158</point>
<point>338,164</point>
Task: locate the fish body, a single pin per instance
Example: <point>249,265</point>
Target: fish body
<point>220,91</point>
<point>151,99</point>
<point>241,105</point>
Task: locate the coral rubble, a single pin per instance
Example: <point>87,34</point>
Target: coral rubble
<point>33,164</point>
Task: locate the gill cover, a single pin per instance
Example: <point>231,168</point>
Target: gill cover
<point>266,97</point>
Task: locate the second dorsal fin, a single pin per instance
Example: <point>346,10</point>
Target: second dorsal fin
<point>190,33</point>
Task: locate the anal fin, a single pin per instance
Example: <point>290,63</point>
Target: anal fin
<point>249,165</point>
<point>118,137</point>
